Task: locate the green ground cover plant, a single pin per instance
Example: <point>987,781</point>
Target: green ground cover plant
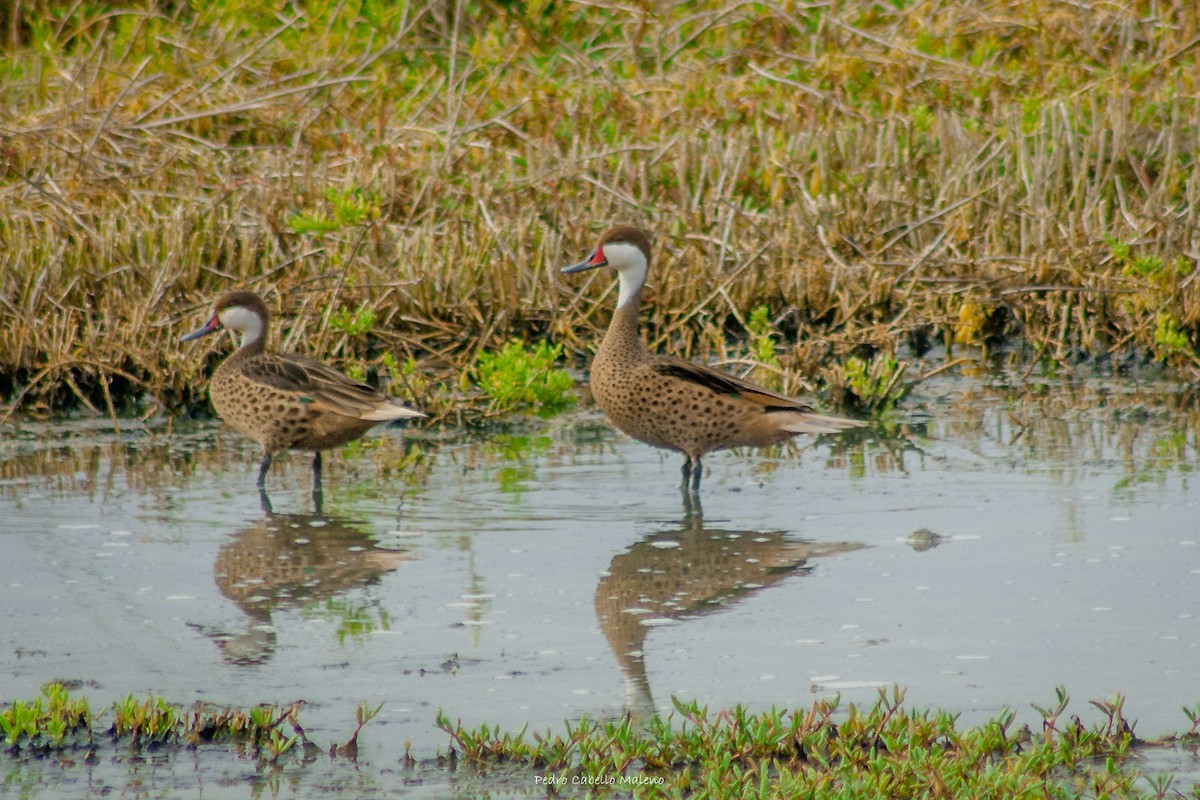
<point>826,751</point>
<point>404,179</point>
<point>55,723</point>
<point>520,378</point>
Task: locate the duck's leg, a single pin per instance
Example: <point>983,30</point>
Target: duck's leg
<point>318,494</point>
<point>691,473</point>
<point>262,471</point>
<point>265,502</point>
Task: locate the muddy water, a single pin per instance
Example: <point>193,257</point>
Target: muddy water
<point>996,539</point>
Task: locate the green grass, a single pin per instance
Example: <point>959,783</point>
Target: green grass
<point>870,173</point>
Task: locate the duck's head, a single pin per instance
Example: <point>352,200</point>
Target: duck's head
<point>625,249</point>
<point>240,311</point>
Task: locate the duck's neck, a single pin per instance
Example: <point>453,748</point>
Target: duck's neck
<point>251,345</point>
<point>623,335</point>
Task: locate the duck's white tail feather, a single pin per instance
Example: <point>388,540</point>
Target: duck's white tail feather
<point>806,422</point>
<point>390,410</point>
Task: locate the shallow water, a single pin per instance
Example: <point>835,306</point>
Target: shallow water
<point>1001,539</point>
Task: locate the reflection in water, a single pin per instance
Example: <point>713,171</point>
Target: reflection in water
<point>1053,427</point>
<point>685,573</point>
<point>80,458</point>
<point>923,539</point>
<point>290,561</point>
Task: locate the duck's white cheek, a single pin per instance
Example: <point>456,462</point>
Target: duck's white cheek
<point>239,318</point>
<point>630,264</point>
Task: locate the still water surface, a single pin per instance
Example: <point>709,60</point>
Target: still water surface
<point>997,540</point>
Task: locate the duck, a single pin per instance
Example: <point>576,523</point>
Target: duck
<point>286,401</point>
<point>671,403</point>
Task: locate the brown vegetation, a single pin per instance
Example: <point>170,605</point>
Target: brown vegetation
<point>405,179</point>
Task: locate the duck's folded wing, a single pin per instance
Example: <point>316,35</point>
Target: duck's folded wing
<point>794,415</point>
<point>324,387</point>
<point>725,384</point>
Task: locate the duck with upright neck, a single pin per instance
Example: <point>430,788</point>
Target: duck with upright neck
<point>675,404</point>
<point>286,401</point>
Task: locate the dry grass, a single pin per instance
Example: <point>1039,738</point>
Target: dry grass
<point>881,178</point>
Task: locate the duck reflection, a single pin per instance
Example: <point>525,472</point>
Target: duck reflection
<point>287,561</point>
<point>690,572</point>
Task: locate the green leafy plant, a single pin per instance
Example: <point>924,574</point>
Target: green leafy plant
<point>276,743</point>
<point>520,377</point>
<point>762,343</point>
<point>151,720</point>
<point>344,208</point>
<point>872,385</point>
<point>353,323</point>
<point>21,721</point>
<point>1147,265</point>
<point>1169,340</point>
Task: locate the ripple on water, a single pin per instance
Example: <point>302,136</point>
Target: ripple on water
<point>799,569</point>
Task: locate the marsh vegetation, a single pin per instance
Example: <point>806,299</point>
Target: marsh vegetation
<point>885,749</point>
<point>403,179</point>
